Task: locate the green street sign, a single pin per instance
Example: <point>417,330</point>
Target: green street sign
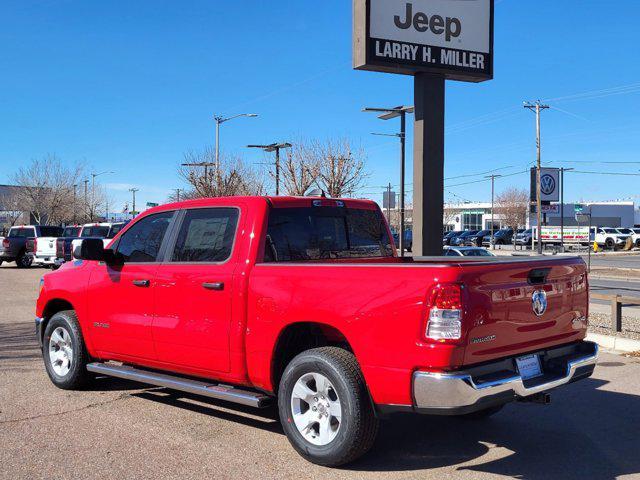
<point>578,208</point>
<point>152,204</point>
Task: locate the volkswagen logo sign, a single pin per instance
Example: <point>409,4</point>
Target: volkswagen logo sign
<point>547,184</point>
<point>539,302</point>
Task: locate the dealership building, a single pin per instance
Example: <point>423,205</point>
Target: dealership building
<point>477,216</point>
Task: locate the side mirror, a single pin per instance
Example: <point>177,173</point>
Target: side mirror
<point>90,249</point>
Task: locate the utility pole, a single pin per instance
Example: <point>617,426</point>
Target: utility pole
<point>133,192</point>
<point>86,198</point>
<point>537,107</point>
<point>75,202</point>
<point>389,203</point>
<point>493,179</point>
<point>388,114</point>
<point>178,190</point>
<point>274,147</point>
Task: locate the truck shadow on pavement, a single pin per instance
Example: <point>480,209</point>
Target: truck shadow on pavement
<point>265,419</point>
<point>585,433</point>
<point>18,342</point>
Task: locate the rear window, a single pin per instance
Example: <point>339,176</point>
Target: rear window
<point>115,229</point>
<point>96,231</point>
<point>316,233</point>
<point>21,232</point>
<point>50,231</point>
<point>71,232</point>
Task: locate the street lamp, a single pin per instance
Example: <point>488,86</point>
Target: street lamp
<point>388,114</point>
<point>274,147</point>
<point>562,170</point>
<point>493,179</point>
<point>93,190</point>
<point>219,121</point>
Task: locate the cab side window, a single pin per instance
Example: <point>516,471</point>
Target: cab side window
<point>206,235</point>
<point>141,243</point>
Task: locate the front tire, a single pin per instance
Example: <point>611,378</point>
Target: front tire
<point>325,408</point>
<point>609,243</point>
<point>64,352</point>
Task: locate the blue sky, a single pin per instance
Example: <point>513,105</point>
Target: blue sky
<point>130,86</point>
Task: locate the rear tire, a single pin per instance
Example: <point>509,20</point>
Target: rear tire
<point>637,246</point>
<point>64,352</point>
<point>348,428</point>
<point>24,260</point>
<point>609,243</point>
<point>482,414</point>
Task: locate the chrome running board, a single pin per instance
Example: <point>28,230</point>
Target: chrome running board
<point>197,387</point>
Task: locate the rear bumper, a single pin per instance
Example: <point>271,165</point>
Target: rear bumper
<point>497,383</point>
<point>43,260</point>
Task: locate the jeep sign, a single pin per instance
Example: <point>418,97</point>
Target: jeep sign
<point>452,38</point>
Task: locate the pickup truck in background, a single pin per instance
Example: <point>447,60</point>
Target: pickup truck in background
<point>304,302</point>
<point>73,236</point>
<point>14,246</point>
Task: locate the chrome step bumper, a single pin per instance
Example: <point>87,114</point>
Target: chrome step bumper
<point>197,387</point>
<point>468,391</point>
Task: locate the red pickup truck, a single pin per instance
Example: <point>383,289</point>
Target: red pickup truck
<point>304,302</point>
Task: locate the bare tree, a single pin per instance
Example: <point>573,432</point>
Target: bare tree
<point>11,207</point>
<point>301,168</point>
<point>341,170</point>
<point>47,189</point>
<point>512,205</point>
<point>234,177</point>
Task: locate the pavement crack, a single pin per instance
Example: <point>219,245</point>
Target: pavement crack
<point>64,412</point>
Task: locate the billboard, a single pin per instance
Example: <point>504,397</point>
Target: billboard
<point>440,37</point>
<point>571,234</point>
<point>549,184</point>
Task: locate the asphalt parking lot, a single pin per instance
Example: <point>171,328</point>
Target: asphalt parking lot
<point>123,430</point>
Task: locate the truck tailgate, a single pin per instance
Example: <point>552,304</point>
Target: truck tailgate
<point>501,320</point>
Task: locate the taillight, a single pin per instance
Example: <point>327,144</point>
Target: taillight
<point>5,243</point>
<point>444,315</point>
<point>35,245</point>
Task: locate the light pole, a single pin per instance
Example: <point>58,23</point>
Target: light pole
<point>219,121</point>
<point>493,179</point>
<point>388,114</point>
<point>562,170</point>
<point>93,190</point>
<point>86,198</point>
<point>274,147</point>
<point>75,202</point>
<point>133,193</point>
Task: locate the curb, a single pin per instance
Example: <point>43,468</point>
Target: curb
<point>618,344</point>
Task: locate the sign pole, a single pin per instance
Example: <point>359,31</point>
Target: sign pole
<point>562,210</point>
<point>428,164</point>
<point>403,129</point>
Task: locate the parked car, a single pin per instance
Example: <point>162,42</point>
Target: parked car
<point>408,239</point>
<point>462,238</point>
<point>475,239</point>
<point>303,302</point>
<point>14,246</point>
<point>449,236</point>
<point>503,236</point>
<point>608,237</point>
<point>524,238</point>
<point>634,233</point>
<point>467,252</point>
<point>66,244</point>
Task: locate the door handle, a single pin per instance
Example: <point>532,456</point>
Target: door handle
<point>213,285</point>
<point>141,283</point>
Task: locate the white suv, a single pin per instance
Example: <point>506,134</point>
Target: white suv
<point>608,237</point>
